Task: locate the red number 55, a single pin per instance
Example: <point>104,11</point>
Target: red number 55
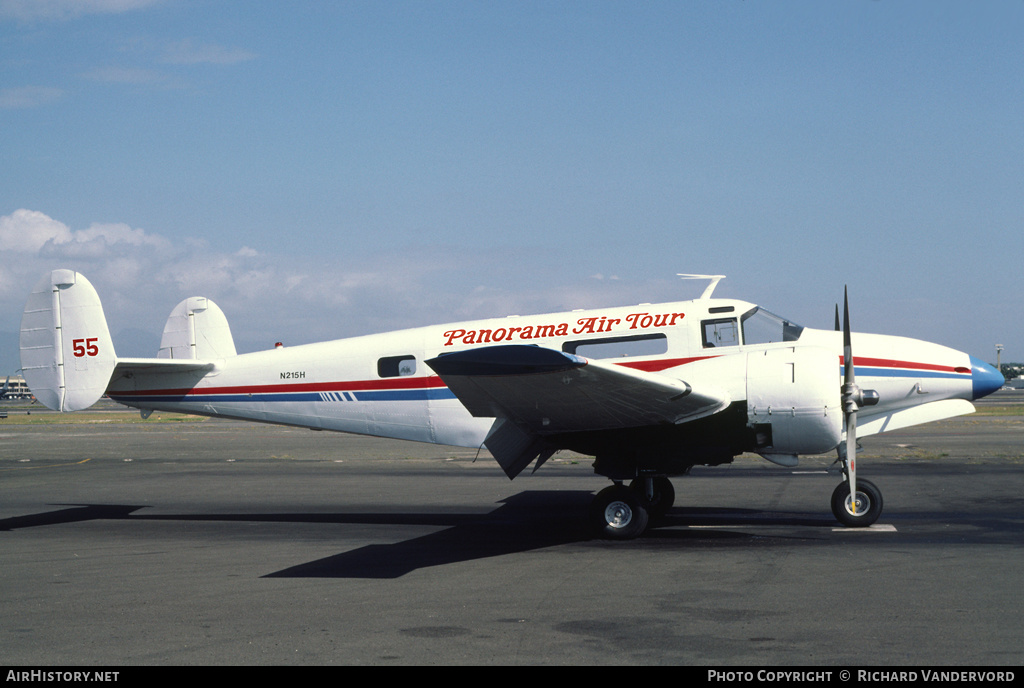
<point>85,347</point>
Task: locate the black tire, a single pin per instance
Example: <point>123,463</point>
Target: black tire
<point>869,504</point>
<point>617,513</point>
<point>664,495</point>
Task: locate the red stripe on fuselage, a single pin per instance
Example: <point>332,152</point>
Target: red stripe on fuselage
<point>910,365</point>
<point>661,364</point>
<point>431,381</point>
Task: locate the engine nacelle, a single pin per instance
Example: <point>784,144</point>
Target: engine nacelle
<point>793,403</point>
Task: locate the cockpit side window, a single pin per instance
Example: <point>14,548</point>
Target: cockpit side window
<point>720,332</point>
<point>763,327</point>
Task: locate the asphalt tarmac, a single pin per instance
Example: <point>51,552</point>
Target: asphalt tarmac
<point>205,542</point>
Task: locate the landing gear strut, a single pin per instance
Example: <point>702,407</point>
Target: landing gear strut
<point>860,511</point>
<point>658,493</point>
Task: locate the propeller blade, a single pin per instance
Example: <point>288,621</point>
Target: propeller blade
<point>847,346</point>
<point>851,458</point>
<point>839,327</point>
<point>852,398</point>
<point>850,407</point>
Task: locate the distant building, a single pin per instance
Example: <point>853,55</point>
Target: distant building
<point>15,388</point>
<point>1016,383</point>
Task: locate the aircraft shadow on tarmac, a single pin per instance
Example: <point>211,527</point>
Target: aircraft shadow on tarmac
<point>527,521</point>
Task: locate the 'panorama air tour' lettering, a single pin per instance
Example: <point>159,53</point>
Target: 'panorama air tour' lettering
<point>589,325</point>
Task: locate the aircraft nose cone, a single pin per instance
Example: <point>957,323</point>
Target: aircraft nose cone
<point>986,379</point>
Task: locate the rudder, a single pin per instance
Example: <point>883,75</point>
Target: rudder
<point>67,355</point>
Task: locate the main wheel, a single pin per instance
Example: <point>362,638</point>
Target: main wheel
<point>617,513</point>
<point>869,504</point>
<point>664,495</point>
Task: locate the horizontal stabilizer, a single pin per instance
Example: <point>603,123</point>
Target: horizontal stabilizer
<point>130,367</point>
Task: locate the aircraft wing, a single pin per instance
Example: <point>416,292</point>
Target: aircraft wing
<point>535,392</point>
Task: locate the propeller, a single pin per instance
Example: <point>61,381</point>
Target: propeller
<point>853,399</point>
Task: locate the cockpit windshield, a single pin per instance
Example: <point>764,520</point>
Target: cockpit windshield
<point>763,327</point>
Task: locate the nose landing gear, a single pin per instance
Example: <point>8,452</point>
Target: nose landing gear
<point>864,512</point>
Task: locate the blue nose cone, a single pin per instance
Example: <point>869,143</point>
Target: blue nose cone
<point>986,379</point>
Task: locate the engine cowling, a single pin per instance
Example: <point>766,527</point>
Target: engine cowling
<point>793,403</point>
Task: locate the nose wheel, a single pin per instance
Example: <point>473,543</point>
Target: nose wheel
<point>864,512</point>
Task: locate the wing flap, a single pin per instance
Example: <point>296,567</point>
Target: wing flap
<point>514,448</point>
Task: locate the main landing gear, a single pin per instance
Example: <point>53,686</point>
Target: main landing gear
<point>623,513</point>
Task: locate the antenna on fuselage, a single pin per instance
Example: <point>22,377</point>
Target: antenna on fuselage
<point>715,279</point>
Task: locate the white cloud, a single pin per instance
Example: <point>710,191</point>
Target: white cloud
<point>28,97</point>
<point>27,231</point>
<point>125,75</point>
<point>187,52</point>
<point>28,10</point>
<point>113,233</point>
<point>33,232</point>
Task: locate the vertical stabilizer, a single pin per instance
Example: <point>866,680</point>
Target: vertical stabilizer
<point>67,355</point>
<point>197,329</point>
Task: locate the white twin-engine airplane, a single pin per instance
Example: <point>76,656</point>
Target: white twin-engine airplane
<point>649,390</point>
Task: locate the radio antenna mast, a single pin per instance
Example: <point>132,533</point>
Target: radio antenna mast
<point>715,279</point>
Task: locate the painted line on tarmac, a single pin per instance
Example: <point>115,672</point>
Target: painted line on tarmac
<point>876,528</point>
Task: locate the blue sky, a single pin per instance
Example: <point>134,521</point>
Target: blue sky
<point>326,169</point>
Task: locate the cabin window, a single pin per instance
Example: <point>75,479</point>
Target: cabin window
<point>396,366</point>
<point>720,332</point>
<point>618,347</point>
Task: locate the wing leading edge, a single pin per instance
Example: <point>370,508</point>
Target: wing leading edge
<point>534,393</point>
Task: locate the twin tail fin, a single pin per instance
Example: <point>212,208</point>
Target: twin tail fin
<point>68,357</point>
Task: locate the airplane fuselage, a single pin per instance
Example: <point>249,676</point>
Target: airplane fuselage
<point>781,381</point>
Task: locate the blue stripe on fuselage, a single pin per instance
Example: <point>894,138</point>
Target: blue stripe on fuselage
<point>370,395</point>
<point>867,371</point>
